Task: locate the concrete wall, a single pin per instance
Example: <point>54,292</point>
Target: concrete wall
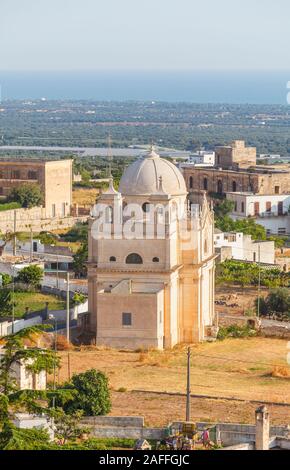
<point>6,326</point>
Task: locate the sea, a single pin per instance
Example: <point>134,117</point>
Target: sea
<point>207,86</point>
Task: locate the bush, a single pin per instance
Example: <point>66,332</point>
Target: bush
<point>32,275</point>
<point>89,393</point>
<point>6,279</point>
<point>27,195</point>
<point>278,301</point>
<point>9,206</point>
<point>235,331</point>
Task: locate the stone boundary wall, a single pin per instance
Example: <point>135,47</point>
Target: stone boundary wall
<point>129,432</point>
<point>239,447</point>
<point>133,421</point>
<point>275,332</point>
<point>35,218</point>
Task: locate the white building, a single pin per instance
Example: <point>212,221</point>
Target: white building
<point>200,158</point>
<point>26,379</point>
<point>238,246</point>
<point>270,211</point>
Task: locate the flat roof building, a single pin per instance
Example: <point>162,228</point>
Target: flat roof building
<point>54,178</point>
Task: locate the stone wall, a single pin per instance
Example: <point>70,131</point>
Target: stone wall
<point>123,427</point>
<point>24,220</point>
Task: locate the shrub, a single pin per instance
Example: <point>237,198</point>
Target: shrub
<point>89,393</point>
<point>235,331</point>
<point>6,279</point>
<point>32,275</point>
<point>9,206</point>
<point>27,195</point>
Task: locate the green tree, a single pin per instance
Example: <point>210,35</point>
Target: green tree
<point>67,426</point>
<point>89,394</point>
<point>6,279</point>
<point>47,238</point>
<point>16,349</point>
<point>28,195</point>
<point>223,208</point>
<point>13,438</point>
<point>6,303</point>
<point>279,300</point>
<point>32,275</point>
<point>79,261</point>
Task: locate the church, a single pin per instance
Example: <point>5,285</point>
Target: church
<point>151,261</point>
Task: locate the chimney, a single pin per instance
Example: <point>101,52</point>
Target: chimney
<point>262,428</point>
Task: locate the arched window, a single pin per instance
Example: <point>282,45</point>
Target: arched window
<point>112,258</point>
<point>234,186</point>
<point>134,258</point>
<point>109,215</point>
<point>220,186</point>
<point>191,182</point>
<point>205,184</point>
<point>205,248</point>
<point>155,259</point>
<point>146,206</point>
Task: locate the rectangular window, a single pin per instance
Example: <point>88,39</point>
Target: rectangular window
<point>256,208</point>
<point>32,175</point>
<point>242,207</point>
<point>63,209</point>
<point>16,175</point>
<point>268,206</point>
<point>126,319</point>
<point>277,189</point>
<point>53,210</point>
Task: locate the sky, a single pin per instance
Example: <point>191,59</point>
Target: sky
<point>144,34</point>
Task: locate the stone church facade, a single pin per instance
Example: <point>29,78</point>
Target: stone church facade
<point>151,277</point>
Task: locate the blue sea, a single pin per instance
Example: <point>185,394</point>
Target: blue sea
<point>266,87</point>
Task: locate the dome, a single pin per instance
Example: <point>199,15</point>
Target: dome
<point>143,177</point>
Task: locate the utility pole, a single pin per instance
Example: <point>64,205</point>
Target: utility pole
<point>14,232</point>
<point>188,387</point>
<point>13,296</point>
<point>67,307</point>
<point>31,244</point>
<point>259,281</point>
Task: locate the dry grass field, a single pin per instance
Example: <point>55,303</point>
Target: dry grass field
<point>250,369</point>
<point>84,197</point>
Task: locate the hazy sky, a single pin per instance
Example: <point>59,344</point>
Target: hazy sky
<point>144,34</point>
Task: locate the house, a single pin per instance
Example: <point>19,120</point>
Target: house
<point>232,245</point>
<point>272,211</point>
<point>53,176</point>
